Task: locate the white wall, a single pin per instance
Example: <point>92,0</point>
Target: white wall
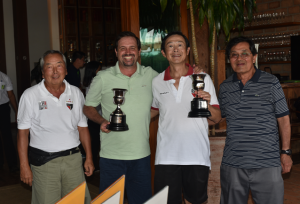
<point>10,46</point>
<point>53,24</point>
<point>38,29</point>
<point>39,36</point>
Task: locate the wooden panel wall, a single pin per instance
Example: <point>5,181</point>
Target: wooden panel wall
<point>21,46</point>
<point>130,17</point>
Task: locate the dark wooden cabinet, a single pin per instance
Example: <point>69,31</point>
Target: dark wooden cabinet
<point>90,26</point>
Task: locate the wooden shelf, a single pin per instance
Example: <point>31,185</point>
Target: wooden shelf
<point>277,25</point>
<point>275,62</point>
<point>270,47</point>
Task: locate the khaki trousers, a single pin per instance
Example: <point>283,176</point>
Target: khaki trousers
<point>55,179</point>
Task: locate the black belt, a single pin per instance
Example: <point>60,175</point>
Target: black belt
<point>4,104</point>
<point>39,157</point>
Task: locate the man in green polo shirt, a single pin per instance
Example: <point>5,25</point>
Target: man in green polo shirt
<point>124,152</point>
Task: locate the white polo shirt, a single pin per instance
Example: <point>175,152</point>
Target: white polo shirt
<point>5,85</point>
<point>53,122</point>
<point>180,140</point>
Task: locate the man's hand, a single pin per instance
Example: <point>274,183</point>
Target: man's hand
<point>286,163</point>
<point>204,95</point>
<point>197,70</point>
<point>103,126</point>
<point>89,167</point>
<point>26,174</point>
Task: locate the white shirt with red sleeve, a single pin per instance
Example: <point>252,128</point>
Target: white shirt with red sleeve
<point>180,140</point>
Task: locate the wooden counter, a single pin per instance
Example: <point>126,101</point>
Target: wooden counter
<point>291,90</point>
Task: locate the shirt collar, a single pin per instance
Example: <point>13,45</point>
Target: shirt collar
<point>168,76</point>
<point>45,92</point>
<point>116,70</point>
<point>254,78</point>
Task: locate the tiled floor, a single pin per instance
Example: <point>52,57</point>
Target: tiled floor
<point>13,191</point>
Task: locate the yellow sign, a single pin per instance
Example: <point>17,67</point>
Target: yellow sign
<point>117,186</point>
<point>76,196</point>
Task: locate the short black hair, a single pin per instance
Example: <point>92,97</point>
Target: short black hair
<point>127,34</point>
<point>77,55</point>
<point>237,40</point>
<point>90,72</point>
<point>187,43</point>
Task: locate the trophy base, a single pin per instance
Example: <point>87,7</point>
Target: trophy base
<point>199,108</point>
<point>118,123</point>
<point>199,113</point>
<point>117,127</point>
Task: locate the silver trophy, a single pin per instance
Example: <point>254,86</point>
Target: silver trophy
<point>199,107</point>
<point>118,118</point>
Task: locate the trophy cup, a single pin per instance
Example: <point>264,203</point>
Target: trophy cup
<point>118,118</point>
<point>199,107</point>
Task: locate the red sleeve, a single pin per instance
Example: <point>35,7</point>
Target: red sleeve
<point>154,108</point>
<point>217,106</point>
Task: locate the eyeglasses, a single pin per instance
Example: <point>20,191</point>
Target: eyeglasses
<point>243,55</point>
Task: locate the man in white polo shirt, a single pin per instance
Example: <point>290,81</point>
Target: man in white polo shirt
<point>182,156</point>
<point>7,95</point>
<point>52,112</point>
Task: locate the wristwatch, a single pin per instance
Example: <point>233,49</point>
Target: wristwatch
<point>288,152</point>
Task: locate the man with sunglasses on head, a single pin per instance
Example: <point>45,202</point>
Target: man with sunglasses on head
<point>253,103</point>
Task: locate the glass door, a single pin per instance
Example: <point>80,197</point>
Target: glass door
<point>154,26</point>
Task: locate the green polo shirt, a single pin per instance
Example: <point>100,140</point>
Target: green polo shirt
<point>133,143</point>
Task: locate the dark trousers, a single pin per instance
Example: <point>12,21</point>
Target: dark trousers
<point>137,177</point>
<point>6,141</point>
<point>94,129</point>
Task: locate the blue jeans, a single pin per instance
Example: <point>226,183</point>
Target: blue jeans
<point>137,177</point>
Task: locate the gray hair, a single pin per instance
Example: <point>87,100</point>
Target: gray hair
<point>48,53</point>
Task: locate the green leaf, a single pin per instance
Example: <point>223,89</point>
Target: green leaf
<point>195,5</point>
<point>224,22</point>
<point>178,2</point>
<point>250,5</point>
<point>163,5</point>
<point>210,19</point>
<point>201,16</point>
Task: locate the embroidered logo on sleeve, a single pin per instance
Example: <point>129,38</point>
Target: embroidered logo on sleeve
<point>69,104</point>
<point>43,105</point>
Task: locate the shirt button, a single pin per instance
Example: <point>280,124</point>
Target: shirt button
<point>243,91</point>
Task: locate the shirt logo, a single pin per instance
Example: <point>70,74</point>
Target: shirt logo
<point>43,105</point>
<point>3,86</point>
<point>164,92</point>
<point>193,92</point>
<point>256,95</point>
<point>143,85</point>
<point>69,104</point>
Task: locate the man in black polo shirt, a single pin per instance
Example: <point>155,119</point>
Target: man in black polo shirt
<point>253,102</point>
<point>78,61</point>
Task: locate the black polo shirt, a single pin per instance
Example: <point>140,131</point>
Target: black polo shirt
<point>73,76</point>
<point>251,113</point>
